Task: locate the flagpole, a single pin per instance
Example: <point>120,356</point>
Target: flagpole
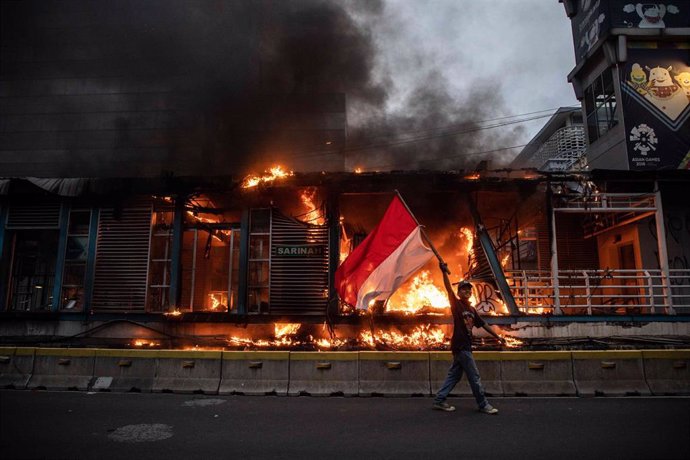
<point>421,227</point>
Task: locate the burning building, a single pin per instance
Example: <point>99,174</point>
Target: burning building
<point>158,198</point>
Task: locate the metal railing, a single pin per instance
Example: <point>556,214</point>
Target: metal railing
<point>604,292</point>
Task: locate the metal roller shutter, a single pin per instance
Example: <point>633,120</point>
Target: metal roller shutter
<point>298,283</point>
<point>122,259</point>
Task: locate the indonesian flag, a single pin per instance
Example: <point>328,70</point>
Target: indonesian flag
<point>386,258</point>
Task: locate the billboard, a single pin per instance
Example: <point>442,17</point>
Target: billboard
<point>655,89</point>
<point>594,19</point>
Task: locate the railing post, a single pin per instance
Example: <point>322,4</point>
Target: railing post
<point>650,289</point>
<point>663,254</point>
<point>525,291</point>
<point>554,254</point>
<point>588,292</point>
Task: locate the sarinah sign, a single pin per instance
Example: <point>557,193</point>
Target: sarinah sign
<point>307,250</point>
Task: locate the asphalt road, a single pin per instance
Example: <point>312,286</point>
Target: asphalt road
<point>66,425</point>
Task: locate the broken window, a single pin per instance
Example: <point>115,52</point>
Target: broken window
<point>76,255</point>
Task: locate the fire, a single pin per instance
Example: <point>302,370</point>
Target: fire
<point>175,312</point>
<point>474,176</point>
<point>272,174</point>
<point>425,336</point>
<point>469,237</point>
<point>358,170</point>
<point>419,296</point>
<point>285,329</point>
<point>140,343</point>
<point>511,342</point>
<point>217,300</point>
<point>313,214</point>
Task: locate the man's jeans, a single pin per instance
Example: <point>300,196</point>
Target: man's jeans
<point>463,361</point>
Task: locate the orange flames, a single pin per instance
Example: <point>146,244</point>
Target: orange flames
<point>425,336</point>
<point>271,175</point>
<point>419,296</point>
<point>314,215</point>
<point>141,343</point>
<point>285,329</point>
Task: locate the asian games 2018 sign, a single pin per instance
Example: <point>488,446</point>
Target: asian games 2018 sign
<point>655,85</point>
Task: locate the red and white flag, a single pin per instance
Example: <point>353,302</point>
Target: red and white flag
<point>386,258</point>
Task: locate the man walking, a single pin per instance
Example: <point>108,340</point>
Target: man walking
<point>465,317</point>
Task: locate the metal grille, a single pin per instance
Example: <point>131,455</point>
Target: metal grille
<point>122,255</point>
<point>299,284</point>
<point>35,216</point>
<point>563,151</point>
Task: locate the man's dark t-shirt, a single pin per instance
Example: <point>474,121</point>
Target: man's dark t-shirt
<point>465,317</point>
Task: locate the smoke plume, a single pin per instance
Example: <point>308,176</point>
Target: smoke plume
<point>219,87</point>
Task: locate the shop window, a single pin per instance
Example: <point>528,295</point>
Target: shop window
<point>600,106</point>
<point>258,288</point>
<point>33,258</point>
<point>160,260</point>
<point>210,268</point>
<point>74,270</point>
<point>526,253</point>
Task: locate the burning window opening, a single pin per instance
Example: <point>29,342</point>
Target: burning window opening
<point>143,343</point>
<point>314,213</point>
<point>274,173</point>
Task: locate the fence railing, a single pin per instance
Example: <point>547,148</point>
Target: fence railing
<point>604,292</point>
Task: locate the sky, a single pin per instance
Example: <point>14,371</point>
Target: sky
<point>521,50</point>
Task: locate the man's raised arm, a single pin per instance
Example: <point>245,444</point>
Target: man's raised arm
<point>446,280</point>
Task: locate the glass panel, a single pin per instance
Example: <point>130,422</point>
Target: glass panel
<point>260,221</point>
<point>73,274</point>
<point>235,279</point>
<point>211,270</point>
<point>77,248</point>
<point>258,273</point>
<point>33,270</point>
<point>160,247</point>
<point>188,251</point>
<point>72,298</point>
<point>79,222</point>
<point>592,129</point>
<point>158,274</point>
<point>259,247</point>
<point>258,300</point>
<point>602,120</point>
<point>72,293</point>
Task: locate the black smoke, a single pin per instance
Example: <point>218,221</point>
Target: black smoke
<point>218,86</point>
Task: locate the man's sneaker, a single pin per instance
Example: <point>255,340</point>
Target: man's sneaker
<point>443,406</point>
<point>489,409</point>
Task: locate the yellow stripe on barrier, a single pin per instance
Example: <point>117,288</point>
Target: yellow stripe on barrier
<point>534,355</point>
<point>189,354</point>
<point>666,354</point>
<point>323,356</point>
<point>255,355</point>
<point>608,354</point>
<point>394,355</point>
<point>478,355</point>
<point>72,352</point>
<point>24,351</point>
<point>126,353</point>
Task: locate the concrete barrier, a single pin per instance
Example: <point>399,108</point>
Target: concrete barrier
<point>16,365</point>
<point>667,371</point>
<point>255,372</point>
<point>394,373</point>
<point>537,373</point>
<point>124,370</point>
<point>609,373</point>
<point>324,373</point>
<point>187,371</point>
<point>62,369</point>
<point>489,366</point>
